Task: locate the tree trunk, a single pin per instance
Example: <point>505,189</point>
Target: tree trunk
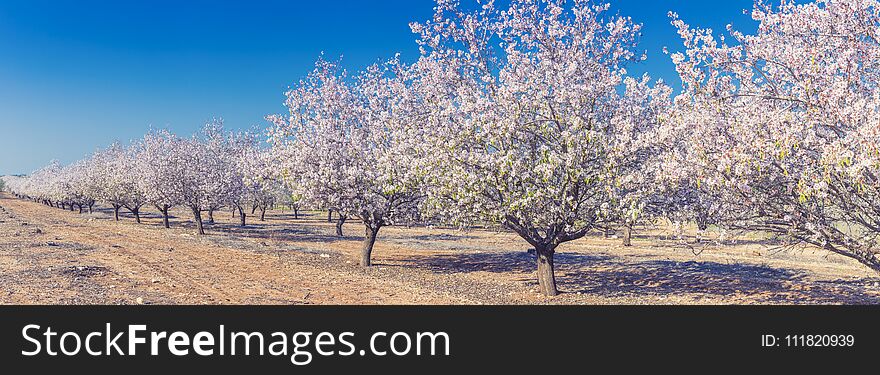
<point>263,213</point>
<point>137,214</point>
<point>329,216</point>
<point>165,216</point>
<point>253,209</point>
<point>702,225</point>
<point>546,275</point>
<point>116,211</point>
<point>369,240</point>
<point>233,211</point>
<point>339,223</point>
<point>80,208</point>
<point>242,216</point>
<point>90,208</point>
<point>295,213</point>
<point>627,234</point>
<point>211,216</point>
<point>197,215</point>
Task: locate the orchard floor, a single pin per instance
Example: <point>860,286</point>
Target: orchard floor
<point>51,256</point>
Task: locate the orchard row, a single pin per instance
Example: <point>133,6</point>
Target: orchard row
<point>525,115</point>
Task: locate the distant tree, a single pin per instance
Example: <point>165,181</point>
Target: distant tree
<point>116,172</point>
<point>161,168</point>
<point>205,182</point>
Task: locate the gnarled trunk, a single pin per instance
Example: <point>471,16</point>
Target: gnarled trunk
<point>242,216</point>
<point>627,234</point>
<point>164,210</point>
<point>339,223</point>
<point>702,225</point>
<point>370,234</point>
<point>546,274</point>
<point>263,213</point>
<point>136,211</point>
<point>197,216</point>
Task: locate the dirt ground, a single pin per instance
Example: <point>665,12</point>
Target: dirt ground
<point>50,256</point>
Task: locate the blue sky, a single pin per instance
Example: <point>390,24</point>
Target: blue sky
<point>77,75</point>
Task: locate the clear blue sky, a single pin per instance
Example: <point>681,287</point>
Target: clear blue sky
<point>76,75</point>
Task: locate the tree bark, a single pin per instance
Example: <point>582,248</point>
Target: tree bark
<point>263,213</point>
<point>339,223</point>
<point>80,209</point>
<point>197,215</point>
<point>702,225</point>
<point>546,274</point>
<point>242,216</point>
<point>253,209</point>
<point>164,210</point>
<point>90,208</point>
<point>608,232</point>
<point>137,214</point>
<point>627,234</point>
<point>369,240</point>
<point>233,211</point>
<point>116,208</point>
<point>211,216</point>
<point>329,216</point>
<point>295,213</point>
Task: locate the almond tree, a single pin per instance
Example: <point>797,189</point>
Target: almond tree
<point>43,185</point>
<point>161,169</point>
<point>80,185</point>
<point>253,180</point>
<point>345,143</point>
<point>523,103</point>
<point>783,123</point>
<point>635,154</point>
<point>205,181</point>
<point>116,172</point>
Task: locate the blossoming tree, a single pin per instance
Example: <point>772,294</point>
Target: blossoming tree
<point>525,113</point>
<point>784,122</point>
<point>161,168</point>
<point>345,142</point>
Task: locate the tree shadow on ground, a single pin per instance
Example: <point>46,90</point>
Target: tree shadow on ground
<point>499,262</point>
<point>691,240</point>
<point>280,232</point>
<point>441,237</point>
<point>666,277</point>
<point>610,276</point>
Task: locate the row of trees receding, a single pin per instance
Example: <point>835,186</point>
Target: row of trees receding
<point>525,116</point>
